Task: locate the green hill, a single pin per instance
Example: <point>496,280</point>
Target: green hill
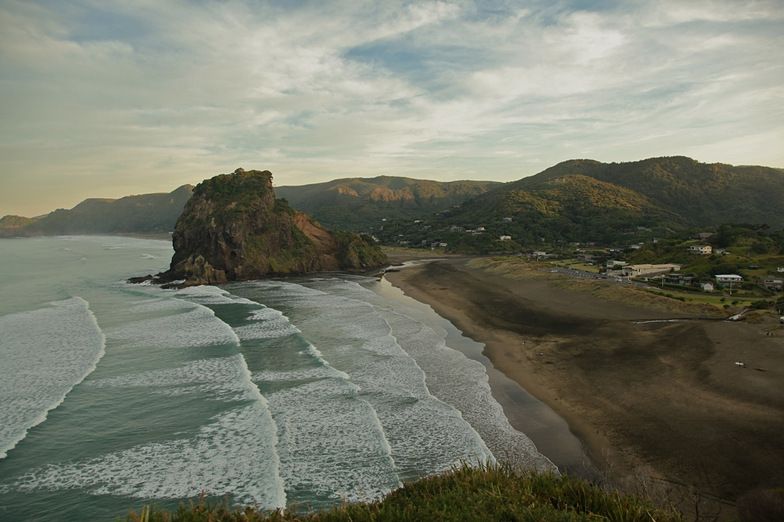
<point>567,208</point>
<point>360,204</point>
<point>703,194</point>
<point>610,204</point>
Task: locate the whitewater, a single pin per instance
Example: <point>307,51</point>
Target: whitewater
<point>308,391</point>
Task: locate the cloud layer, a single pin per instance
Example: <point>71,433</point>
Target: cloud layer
<point>109,98</point>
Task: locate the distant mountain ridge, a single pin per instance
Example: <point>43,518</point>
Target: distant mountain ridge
<point>355,204</point>
<point>576,200</point>
<point>145,213</point>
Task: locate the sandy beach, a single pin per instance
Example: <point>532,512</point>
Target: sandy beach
<point>649,391</point>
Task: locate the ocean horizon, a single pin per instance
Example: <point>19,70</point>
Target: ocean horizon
<point>306,391</point>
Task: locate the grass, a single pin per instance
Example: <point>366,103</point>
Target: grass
<point>466,494</point>
<point>516,268</point>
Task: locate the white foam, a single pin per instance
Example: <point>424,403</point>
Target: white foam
<point>425,434</point>
<point>453,378</point>
<point>331,443</point>
<point>44,353</point>
<point>304,374</point>
<point>223,378</point>
<point>266,323</point>
<point>232,455</point>
<point>210,295</point>
<point>195,326</point>
<point>459,381</point>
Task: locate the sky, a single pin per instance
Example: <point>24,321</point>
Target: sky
<point>108,98</point>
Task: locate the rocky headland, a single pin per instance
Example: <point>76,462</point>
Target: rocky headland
<point>234,228</point>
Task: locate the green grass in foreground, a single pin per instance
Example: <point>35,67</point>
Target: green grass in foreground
<point>486,493</point>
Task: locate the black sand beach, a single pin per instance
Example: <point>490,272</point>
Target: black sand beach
<point>660,398</point>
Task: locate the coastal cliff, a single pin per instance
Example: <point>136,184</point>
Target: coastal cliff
<point>234,228</point>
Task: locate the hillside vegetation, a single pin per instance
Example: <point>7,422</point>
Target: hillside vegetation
<point>613,205</point>
<point>703,194</point>
<point>234,228</point>
<point>465,494</point>
<point>360,204</point>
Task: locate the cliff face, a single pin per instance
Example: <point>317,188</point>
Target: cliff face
<point>234,228</point>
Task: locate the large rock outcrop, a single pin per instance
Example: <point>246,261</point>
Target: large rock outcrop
<point>234,228</point>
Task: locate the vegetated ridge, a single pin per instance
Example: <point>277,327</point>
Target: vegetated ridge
<point>359,204</point>
<point>234,228</point>
<point>573,201</point>
<point>703,194</point>
<point>145,213</point>
<point>612,204</point>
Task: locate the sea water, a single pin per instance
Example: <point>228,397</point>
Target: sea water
<point>305,391</point>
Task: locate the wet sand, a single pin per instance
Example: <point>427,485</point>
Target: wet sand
<point>644,395</point>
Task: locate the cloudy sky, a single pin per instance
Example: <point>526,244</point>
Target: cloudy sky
<point>106,98</point>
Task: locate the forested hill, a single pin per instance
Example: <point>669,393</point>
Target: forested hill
<point>703,194</point>
<point>609,204</point>
<point>358,204</point>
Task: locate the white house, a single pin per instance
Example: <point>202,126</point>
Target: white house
<point>505,238</point>
<point>707,287</point>
<point>728,279</point>
<point>645,269</point>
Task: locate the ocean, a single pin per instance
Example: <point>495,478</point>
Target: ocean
<point>305,391</point>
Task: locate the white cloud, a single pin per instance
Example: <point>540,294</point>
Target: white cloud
<point>133,97</point>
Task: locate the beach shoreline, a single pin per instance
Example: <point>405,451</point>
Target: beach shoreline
<point>644,395</point>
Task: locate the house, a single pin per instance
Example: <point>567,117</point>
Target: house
<point>506,220</point>
<point>678,279</point>
<point>728,279</point>
<point>701,249</point>
<point>505,238</point>
<point>707,287</point>
<point>646,269</point>
<point>775,284</point>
